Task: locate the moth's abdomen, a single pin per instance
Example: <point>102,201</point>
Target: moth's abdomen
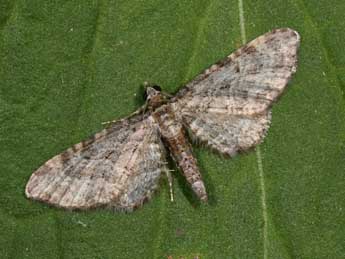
<point>174,137</point>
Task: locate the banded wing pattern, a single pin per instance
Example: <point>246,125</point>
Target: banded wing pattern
<point>228,106</point>
<point>118,167</point>
<point>227,134</point>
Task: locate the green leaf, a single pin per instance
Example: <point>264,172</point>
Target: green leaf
<point>67,66</point>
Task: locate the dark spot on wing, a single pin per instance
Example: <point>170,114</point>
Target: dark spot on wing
<point>109,154</point>
<point>237,53</point>
<point>269,39</point>
<point>249,49</point>
<point>88,141</point>
<point>237,68</point>
<point>65,156</point>
<point>223,61</point>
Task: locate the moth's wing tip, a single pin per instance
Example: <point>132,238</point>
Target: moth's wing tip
<point>27,191</point>
<point>286,30</point>
<point>294,39</point>
<point>29,187</point>
<point>296,34</point>
<point>296,47</point>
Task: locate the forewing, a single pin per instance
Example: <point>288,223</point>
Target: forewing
<point>118,167</point>
<point>228,106</point>
<point>248,80</point>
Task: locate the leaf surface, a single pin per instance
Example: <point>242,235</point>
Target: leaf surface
<point>67,66</point>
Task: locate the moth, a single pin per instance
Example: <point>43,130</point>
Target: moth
<point>227,108</point>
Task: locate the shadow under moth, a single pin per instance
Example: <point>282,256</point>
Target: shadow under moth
<point>227,107</point>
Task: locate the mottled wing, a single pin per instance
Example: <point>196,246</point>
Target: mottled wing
<point>118,167</point>
<point>228,105</point>
<point>227,134</point>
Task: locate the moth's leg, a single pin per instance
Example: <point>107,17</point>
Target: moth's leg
<point>144,108</point>
<point>108,122</point>
<point>170,181</point>
<point>167,94</point>
<point>141,110</point>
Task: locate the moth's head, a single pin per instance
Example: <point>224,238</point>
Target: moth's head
<point>151,91</point>
<point>153,96</point>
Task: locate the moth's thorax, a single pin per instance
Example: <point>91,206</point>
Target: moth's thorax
<point>154,98</point>
<point>156,101</point>
<point>166,119</point>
